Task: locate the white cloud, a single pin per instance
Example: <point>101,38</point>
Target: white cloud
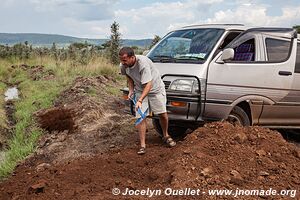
<point>290,16</point>
<point>92,18</point>
<point>55,3</point>
<point>87,29</point>
<point>256,15</point>
<point>87,10</point>
<point>159,18</point>
<point>7,3</point>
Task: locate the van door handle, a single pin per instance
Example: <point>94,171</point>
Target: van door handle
<point>285,73</point>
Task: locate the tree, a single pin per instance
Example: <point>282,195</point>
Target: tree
<point>41,52</point>
<point>72,54</point>
<point>18,50</point>
<point>80,46</point>
<point>105,45</point>
<point>55,53</point>
<point>114,43</point>
<point>297,27</point>
<point>26,50</point>
<point>154,41</point>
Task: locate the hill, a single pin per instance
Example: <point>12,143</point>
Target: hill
<point>37,39</point>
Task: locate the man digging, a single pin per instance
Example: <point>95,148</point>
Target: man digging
<point>146,86</point>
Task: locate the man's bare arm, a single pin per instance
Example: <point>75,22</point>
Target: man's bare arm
<point>130,86</point>
<point>146,90</point>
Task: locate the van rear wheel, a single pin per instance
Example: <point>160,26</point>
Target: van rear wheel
<point>238,117</point>
<point>174,131</point>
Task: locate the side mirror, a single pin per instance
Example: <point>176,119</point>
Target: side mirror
<point>145,52</point>
<point>228,54</point>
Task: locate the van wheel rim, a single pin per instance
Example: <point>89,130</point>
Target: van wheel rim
<point>234,120</point>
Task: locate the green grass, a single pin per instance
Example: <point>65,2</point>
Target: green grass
<point>35,95</point>
<point>92,92</point>
<point>113,90</point>
<point>40,94</point>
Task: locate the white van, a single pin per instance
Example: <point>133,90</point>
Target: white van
<point>249,76</point>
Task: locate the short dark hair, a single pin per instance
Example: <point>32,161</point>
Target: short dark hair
<point>126,50</point>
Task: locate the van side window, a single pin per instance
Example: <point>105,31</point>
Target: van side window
<point>297,68</point>
<point>245,51</point>
<point>229,38</point>
<point>277,50</point>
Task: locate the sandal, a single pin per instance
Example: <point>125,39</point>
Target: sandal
<point>169,141</point>
<point>141,151</point>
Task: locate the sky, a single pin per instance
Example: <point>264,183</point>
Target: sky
<point>139,19</point>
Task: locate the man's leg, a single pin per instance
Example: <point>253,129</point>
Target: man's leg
<point>158,105</point>
<point>142,126</point>
<point>164,123</point>
<point>142,132</point>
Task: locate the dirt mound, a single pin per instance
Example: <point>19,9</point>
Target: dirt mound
<point>220,156</point>
<point>37,72</point>
<point>217,156</point>
<point>84,121</point>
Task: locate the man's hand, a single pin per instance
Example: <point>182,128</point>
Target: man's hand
<point>138,105</point>
<point>130,94</point>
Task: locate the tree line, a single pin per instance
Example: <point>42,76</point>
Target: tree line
<point>78,53</point>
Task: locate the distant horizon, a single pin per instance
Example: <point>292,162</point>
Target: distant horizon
<point>47,40</point>
<point>71,36</point>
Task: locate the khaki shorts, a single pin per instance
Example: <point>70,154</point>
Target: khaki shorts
<point>155,103</point>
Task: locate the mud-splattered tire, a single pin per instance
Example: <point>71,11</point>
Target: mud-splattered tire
<point>175,131</point>
<point>238,117</point>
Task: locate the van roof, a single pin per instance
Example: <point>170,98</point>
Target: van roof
<point>222,26</point>
<point>279,31</point>
<point>233,27</point>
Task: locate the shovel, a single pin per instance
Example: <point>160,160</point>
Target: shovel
<point>143,115</point>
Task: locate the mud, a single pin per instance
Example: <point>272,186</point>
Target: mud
<point>100,154</point>
<point>6,131</point>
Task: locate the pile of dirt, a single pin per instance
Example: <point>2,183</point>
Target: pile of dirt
<point>84,121</point>
<point>217,156</point>
<point>221,155</point>
<point>37,72</point>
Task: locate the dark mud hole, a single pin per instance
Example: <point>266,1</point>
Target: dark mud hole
<point>56,119</point>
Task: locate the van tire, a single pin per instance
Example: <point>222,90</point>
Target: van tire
<point>174,131</point>
<point>238,117</point>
